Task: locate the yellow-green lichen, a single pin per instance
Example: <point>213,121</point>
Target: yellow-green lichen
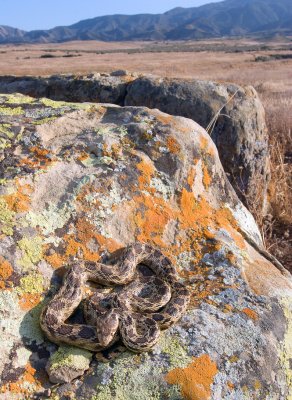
<point>6,218</point>
<point>286,353</point>
<point>31,251</point>
<point>177,354</point>
<point>11,110</point>
<point>7,136</point>
<point>52,103</point>
<point>5,130</point>
<point>91,161</point>
<point>32,284</point>
<point>59,104</point>
<point>70,357</point>
<point>44,120</point>
<point>18,98</point>
<point>4,143</point>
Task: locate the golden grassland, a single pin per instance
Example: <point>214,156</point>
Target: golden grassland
<point>232,60</point>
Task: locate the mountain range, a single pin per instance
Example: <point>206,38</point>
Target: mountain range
<point>226,18</point>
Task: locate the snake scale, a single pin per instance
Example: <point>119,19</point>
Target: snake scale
<point>142,306</point>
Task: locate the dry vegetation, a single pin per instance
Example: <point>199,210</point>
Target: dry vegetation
<point>267,65</point>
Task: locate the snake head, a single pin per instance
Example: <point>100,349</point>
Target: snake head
<point>107,327</point>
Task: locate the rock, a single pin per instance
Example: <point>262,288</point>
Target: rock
<point>236,119</point>
<point>67,364</point>
<point>239,132</point>
<point>120,72</point>
<point>101,88</point>
<point>79,181</point>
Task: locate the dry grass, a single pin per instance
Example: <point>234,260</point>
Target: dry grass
<point>228,60</point>
<point>278,226</point>
<point>208,59</point>
<point>274,86</point>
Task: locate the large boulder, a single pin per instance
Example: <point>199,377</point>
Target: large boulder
<point>79,181</point>
<point>234,115</point>
<point>235,119</point>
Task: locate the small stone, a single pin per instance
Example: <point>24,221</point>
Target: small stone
<point>67,364</point>
<point>120,72</point>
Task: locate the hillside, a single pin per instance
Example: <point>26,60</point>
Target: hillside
<point>226,18</point>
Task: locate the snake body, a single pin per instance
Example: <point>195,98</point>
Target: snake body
<point>135,313</point>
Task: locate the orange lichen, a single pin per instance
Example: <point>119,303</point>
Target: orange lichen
<point>196,379</point>
<point>82,156</point>
<point>173,145</point>
<point>206,177</point>
<point>21,385</point>
<point>29,374</point>
<point>40,152</point>
<point>152,218</point>
<point>165,119</point>
<point>250,313</point>
<point>228,308</point>
<point>175,122</point>
<point>207,146</point>
<point>230,385</point>
<point>39,158</point>
<point>147,171</point>
<point>29,301</point>
<point>231,257</point>
<point>194,213</point>
<point>78,245</point>
<point>257,385</point>
<point>191,176</point>
<point>6,271</point>
<point>19,201</point>
<point>56,260</point>
<point>114,151</point>
<point>204,143</point>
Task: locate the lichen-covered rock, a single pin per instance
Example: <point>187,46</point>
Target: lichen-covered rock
<point>79,181</point>
<point>234,114</point>
<point>67,364</point>
<point>236,121</point>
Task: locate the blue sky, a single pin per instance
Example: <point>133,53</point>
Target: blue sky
<point>44,14</point>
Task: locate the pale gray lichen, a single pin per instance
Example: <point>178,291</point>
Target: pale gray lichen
<point>106,202</point>
<point>162,185</point>
<point>147,373</point>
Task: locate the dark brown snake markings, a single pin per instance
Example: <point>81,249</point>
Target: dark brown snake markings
<point>136,314</point>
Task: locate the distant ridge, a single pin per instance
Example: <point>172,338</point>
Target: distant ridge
<point>227,18</point>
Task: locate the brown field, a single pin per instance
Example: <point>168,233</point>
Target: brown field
<point>221,60</point>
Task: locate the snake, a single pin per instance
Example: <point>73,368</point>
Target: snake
<point>127,306</point>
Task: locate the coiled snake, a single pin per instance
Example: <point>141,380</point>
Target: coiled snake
<point>135,313</point>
